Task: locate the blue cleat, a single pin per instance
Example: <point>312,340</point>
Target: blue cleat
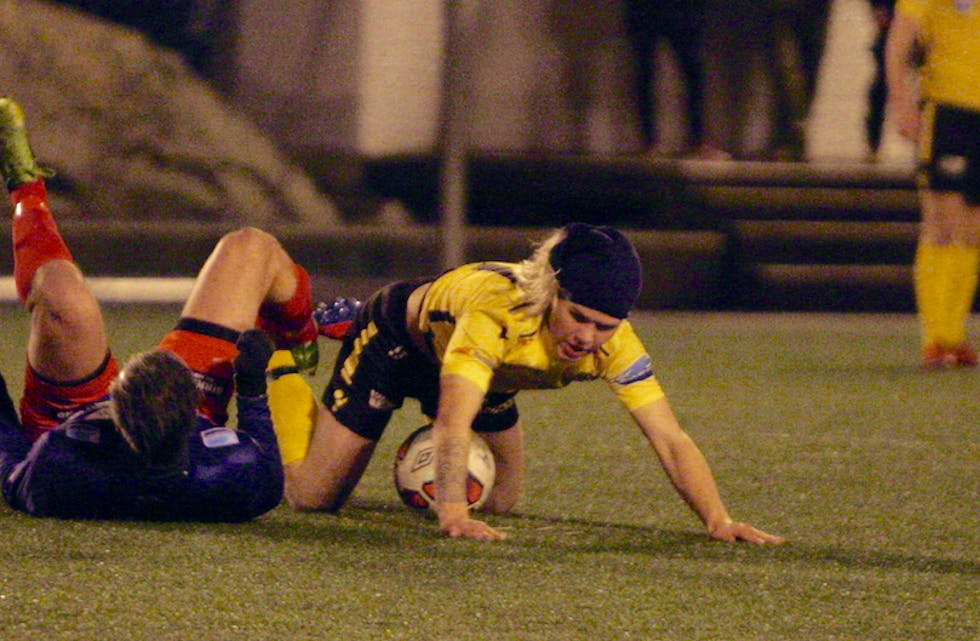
<point>334,319</point>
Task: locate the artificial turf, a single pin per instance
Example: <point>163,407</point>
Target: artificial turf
<point>818,427</point>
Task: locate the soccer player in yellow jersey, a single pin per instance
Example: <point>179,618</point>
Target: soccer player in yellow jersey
<point>943,116</point>
<point>464,344</point>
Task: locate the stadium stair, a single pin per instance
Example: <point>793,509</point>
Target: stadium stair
<point>820,237</point>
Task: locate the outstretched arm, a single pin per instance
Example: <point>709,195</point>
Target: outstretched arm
<point>689,472</point>
<point>459,402</point>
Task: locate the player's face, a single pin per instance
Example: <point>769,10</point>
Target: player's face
<point>579,330</point>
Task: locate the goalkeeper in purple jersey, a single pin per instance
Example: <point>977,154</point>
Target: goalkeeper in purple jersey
<point>85,468</point>
<point>147,440</point>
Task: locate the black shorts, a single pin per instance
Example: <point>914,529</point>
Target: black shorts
<point>379,366</point>
<point>949,151</point>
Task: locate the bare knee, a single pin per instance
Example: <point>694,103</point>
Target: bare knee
<point>67,339</point>
<point>248,241</point>
<point>502,500</point>
<point>60,296</point>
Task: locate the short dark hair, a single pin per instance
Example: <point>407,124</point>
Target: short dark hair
<point>154,401</point>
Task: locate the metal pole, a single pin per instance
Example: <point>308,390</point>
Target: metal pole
<point>458,16</point>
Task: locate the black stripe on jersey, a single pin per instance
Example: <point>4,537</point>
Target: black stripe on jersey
<point>499,268</point>
<point>441,316</point>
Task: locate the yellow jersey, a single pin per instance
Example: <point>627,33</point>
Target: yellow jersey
<point>474,321</point>
<point>950,33</point>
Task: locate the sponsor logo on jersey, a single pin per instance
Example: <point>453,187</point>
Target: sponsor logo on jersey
<point>640,370</point>
<point>219,437</point>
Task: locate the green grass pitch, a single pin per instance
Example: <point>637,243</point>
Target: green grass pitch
<point>818,427</point>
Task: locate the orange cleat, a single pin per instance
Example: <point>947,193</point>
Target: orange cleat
<point>964,355</point>
<point>936,356</point>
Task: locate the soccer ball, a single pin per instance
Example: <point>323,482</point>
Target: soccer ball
<point>415,474</point>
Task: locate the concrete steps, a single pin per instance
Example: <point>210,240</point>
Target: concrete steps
<point>826,265</point>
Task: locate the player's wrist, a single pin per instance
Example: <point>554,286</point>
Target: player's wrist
<point>716,525</point>
<point>452,512</point>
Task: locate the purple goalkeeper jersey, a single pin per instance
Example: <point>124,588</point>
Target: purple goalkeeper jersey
<point>84,469</point>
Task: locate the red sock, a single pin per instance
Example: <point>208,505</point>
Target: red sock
<point>291,323</point>
<point>36,236</point>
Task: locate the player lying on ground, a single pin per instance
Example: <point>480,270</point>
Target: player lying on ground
<point>148,441</point>
<point>464,344</point>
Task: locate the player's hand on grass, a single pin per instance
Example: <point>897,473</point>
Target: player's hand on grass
<point>731,531</point>
<point>455,522</point>
<point>472,529</point>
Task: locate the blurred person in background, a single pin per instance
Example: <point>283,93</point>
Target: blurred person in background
<point>464,344</point>
<point>938,106</point>
<point>147,440</point>
<point>793,35</point>
<point>681,24</point>
<point>881,13</point>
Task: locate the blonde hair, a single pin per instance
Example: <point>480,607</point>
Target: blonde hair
<point>536,277</point>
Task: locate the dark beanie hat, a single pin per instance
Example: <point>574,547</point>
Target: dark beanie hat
<point>599,268</point>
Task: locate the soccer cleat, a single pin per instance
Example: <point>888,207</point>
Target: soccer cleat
<point>936,356</point>
<point>17,163</point>
<point>965,355</point>
<point>307,356</point>
<point>301,342</point>
<point>334,319</point>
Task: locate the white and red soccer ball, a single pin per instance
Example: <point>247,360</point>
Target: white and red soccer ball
<point>415,474</point>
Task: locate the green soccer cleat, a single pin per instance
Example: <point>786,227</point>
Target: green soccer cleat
<point>307,356</point>
<point>17,163</point>
<point>301,342</point>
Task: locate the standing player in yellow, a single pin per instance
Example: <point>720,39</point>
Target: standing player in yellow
<point>943,116</point>
<point>464,344</point>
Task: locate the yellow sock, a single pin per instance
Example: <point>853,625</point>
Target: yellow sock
<point>964,262</point>
<point>293,407</point>
<point>928,277</point>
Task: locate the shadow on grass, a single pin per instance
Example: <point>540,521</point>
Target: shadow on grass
<point>588,536</point>
<point>386,525</point>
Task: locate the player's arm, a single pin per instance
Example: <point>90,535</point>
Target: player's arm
<point>244,463</point>
<point>255,348</point>
<point>459,402</point>
<point>900,73</point>
<point>14,446</point>
<point>690,474</point>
